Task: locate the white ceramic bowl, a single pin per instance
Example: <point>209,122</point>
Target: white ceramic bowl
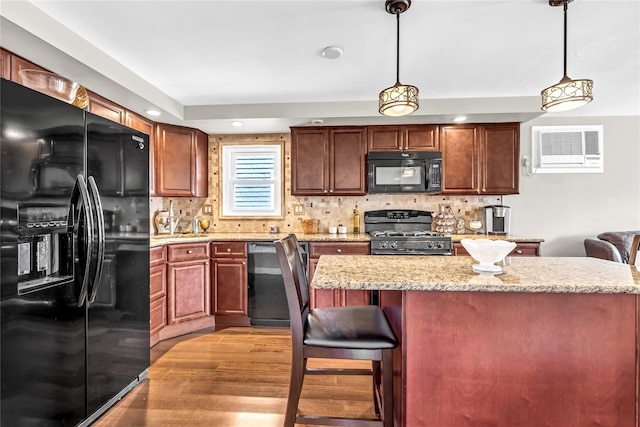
<point>487,252</point>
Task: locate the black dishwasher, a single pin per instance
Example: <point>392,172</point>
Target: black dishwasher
<point>267,297</point>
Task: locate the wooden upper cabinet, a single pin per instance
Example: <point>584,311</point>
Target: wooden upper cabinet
<point>309,161</point>
<point>145,125</point>
<point>180,161</point>
<point>480,159</point>
<point>347,166</point>
<point>105,108</point>
<point>5,64</point>
<point>403,138</point>
<point>328,161</point>
<point>459,146</point>
<point>500,153</point>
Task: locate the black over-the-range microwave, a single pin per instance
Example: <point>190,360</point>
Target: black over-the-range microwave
<point>404,172</point>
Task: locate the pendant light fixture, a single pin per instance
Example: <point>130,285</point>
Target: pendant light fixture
<point>568,93</point>
<point>398,100</point>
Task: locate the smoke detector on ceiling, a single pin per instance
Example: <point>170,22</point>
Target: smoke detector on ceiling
<point>332,52</point>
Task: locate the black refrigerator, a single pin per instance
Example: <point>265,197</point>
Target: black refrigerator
<point>74,230</point>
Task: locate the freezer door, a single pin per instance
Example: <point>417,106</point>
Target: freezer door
<point>118,309</point>
<point>42,341</point>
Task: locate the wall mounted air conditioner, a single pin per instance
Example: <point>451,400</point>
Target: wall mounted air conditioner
<point>567,149</point>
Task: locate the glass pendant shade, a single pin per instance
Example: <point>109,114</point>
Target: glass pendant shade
<point>567,95</point>
<point>398,100</point>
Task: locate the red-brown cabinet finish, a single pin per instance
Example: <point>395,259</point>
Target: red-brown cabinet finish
<point>500,153</point>
<point>229,298</point>
<point>521,249</point>
<point>459,146</point>
<point>5,64</point>
<point>328,161</point>
<point>104,108</point>
<point>188,282</point>
<point>18,63</point>
<point>180,158</point>
<point>157,292</point>
<point>336,297</point>
<point>403,138</point>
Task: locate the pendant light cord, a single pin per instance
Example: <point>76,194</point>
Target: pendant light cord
<point>566,6</point>
<point>398,47</point>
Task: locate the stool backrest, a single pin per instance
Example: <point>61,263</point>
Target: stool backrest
<point>295,283</point>
<point>635,248</point>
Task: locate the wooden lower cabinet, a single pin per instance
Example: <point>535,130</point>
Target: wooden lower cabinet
<point>337,297</point>
<point>521,249</point>
<point>188,282</point>
<point>157,292</point>
<point>229,283</point>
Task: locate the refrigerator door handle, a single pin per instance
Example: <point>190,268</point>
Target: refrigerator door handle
<point>95,195</point>
<point>81,194</point>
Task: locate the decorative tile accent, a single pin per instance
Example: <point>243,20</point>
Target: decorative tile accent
<point>331,211</point>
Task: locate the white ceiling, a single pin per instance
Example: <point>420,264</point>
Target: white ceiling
<point>205,63</point>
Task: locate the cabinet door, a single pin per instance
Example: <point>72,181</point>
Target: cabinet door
<point>17,63</point>
<point>422,138</point>
<point>157,281</point>
<point>201,185</point>
<point>348,161</point>
<point>146,126</point>
<point>105,108</point>
<point>500,154</point>
<point>188,296</point>
<point>459,146</point>
<point>158,315</point>
<point>319,298</point>
<point>354,297</point>
<point>309,161</point>
<point>385,138</point>
<point>229,296</point>
<point>5,64</point>
<point>175,161</point>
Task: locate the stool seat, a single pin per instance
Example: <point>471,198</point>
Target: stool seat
<point>360,327</point>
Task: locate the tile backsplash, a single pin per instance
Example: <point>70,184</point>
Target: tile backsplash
<point>330,210</point>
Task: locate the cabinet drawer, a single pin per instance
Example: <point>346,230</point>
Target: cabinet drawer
<point>317,249</point>
<point>157,255</point>
<point>187,252</point>
<point>229,249</point>
<point>521,249</point>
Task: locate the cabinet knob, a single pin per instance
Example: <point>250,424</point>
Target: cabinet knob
<point>519,251</point>
<point>189,251</point>
<point>229,250</point>
<point>244,263</point>
<point>339,250</point>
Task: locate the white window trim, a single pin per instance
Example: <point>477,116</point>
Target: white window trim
<point>226,153</point>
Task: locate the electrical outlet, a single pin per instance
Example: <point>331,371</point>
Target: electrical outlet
<point>208,209</point>
<point>525,161</point>
<point>298,209</point>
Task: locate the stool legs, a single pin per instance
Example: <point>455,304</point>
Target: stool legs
<point>298,366</point>
<point>387,387</point>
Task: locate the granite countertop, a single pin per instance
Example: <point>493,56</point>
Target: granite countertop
<point>446,273</point>
<point>166,239</point>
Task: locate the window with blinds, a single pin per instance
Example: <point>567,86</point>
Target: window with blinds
<point>251,180</point>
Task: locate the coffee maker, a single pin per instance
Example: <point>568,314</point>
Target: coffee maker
<point>497,219</point>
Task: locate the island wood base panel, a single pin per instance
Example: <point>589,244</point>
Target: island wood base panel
<point>516,359</point>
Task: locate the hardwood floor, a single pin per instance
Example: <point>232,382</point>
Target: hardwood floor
<point>233,377</point>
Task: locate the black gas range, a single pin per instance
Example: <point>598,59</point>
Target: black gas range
<point>404,232</point>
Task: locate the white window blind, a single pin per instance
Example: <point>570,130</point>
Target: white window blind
<point>251,180</point>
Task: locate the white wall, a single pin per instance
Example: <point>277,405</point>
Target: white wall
<point>564,209</point>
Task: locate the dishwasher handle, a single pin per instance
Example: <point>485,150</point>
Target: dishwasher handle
<point>270,247</point>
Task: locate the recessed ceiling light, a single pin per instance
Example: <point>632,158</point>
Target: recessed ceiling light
<point>153,112</point>
<point>460,119</point>
<point>332,52</point>
<point>237,123</point>
<point>317,122</point>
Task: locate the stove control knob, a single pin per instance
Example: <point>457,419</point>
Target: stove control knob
<point>394,245</point>
<point>440,245</point>
<point>429,245</point>
<point>383,245</point>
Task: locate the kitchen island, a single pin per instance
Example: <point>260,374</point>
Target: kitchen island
<point>549,342</point>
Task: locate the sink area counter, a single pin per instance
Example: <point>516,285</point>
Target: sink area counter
<point>166,239</point>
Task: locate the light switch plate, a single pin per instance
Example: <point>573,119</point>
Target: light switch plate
<point>298,209</point>
<point>208,209</point>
